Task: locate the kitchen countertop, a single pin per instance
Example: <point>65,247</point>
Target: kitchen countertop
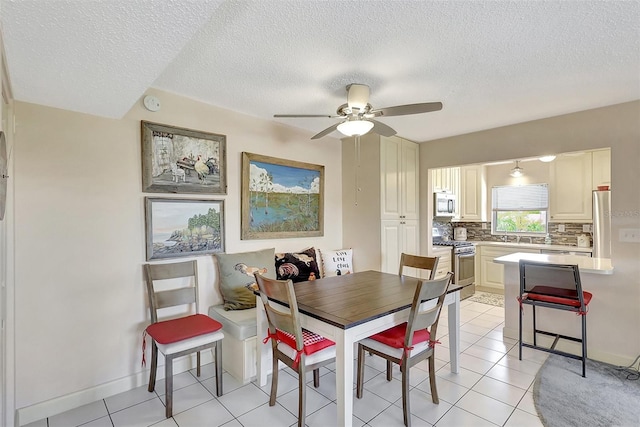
<point>527,245</point>
<point>585,264</point>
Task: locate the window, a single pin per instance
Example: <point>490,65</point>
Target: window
<point>520,209</point>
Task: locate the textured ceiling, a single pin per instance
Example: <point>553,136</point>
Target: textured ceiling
<point>491,63</point>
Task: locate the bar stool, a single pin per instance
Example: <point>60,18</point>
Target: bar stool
<point>554,286</point>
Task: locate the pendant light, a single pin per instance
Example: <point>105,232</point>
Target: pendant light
<point>517,172</point>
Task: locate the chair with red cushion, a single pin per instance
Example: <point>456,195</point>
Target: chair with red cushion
<point>554,286</point>
<point>179,336</point>
<point>410,342</point>
<point>299,349</point>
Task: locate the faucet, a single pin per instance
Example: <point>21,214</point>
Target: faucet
<point>505,238</point>
<point>528,237</point>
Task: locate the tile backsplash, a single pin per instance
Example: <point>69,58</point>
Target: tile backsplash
<point>482,232</point>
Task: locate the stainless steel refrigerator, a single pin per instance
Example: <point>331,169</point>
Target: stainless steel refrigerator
<point>602,224</point>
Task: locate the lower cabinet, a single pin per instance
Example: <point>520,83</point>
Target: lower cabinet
<point>444,263</point>
<point>398,236</point>
<point>490,275</point>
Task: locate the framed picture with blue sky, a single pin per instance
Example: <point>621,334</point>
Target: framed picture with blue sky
<point>281,198</point>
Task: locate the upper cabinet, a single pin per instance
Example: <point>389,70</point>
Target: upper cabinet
<point>570,188</point>
<point>601,162</point>
<point>472,198</point>
<point>446,179</point>
<point>399,164</point>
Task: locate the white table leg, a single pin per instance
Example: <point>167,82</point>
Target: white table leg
<point>263,359</point>
<point>454,332</point>
<point>344,378</point>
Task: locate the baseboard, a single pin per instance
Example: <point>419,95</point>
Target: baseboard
<point>573,348</point>
<point>74,400</point>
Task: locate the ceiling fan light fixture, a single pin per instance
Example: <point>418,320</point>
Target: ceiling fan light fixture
<point>355,127</point>
<point>517,172</point>
<point>547,159</point>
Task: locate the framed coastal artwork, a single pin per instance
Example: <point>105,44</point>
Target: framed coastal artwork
<point>177,160</point>
<point>183,227</point>
<point>281,198</point>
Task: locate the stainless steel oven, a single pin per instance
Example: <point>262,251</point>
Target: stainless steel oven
<point>464,269</point>
<point>463,255</point>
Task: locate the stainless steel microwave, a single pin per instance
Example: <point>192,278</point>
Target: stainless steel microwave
<point>444,204</point>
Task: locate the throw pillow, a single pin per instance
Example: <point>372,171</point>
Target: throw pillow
<point>297,266</point>
<point>236,276</point>
<point>336,263</point>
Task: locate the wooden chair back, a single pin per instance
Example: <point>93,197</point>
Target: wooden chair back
<point>424,318</point>
<point>419,262</point>
<point>176,296</point>
<point>282,318</point>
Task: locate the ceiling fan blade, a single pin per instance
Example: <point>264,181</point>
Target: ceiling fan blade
<point>304,115</point>
<point>326,132</point>
<point>404,110</point>
<point>382,129</point>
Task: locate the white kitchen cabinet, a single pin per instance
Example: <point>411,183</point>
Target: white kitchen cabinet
<point>398,236</point>
<point>444,263</point>
<point>490,275</point>
<point>380,180</point>
<point>446,179</point>
<point>570,188</point>
<point>399,166</point>
<point>472,199</point>
<point>601,162</point>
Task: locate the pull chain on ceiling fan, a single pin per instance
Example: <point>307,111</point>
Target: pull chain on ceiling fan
<point>358,115</point>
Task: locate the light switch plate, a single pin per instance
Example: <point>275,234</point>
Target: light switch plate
<point>560,228</point>
<point>586,228</point>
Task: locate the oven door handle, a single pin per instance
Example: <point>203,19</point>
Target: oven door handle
<point>466,255</point>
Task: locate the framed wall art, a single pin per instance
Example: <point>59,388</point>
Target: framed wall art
<point>183,227</point>
<point>281,198</point>
<point>176,160</point>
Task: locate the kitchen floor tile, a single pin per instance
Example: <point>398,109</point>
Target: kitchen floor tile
<point>485,407</point>
<point>80,415</point>
<point>210,413</point>
<point>457,417</point>
<point>505,393</point>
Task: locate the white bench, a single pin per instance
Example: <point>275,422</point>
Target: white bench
<point>239,343</point>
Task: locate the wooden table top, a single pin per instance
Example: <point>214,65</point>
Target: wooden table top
<point>350,300</point>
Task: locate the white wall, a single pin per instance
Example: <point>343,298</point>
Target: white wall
<point>79,230</point>
<point>616,126</point>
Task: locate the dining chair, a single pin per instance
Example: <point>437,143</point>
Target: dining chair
<point>410,342</point>
<point>558,287</point>
<point>299,349</point>
<point>419,262</point>
<point>179,336</point>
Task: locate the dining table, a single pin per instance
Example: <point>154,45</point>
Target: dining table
<point>348,308</point>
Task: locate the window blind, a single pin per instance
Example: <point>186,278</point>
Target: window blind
<point>532,197</point>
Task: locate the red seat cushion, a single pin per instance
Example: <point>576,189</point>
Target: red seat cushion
<point>558,296</point>
<point>312,343</point>
<point>394,337</point>
<point>174,330</point>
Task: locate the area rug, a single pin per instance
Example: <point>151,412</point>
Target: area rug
<point>488,298</point>
<point>608,396</point>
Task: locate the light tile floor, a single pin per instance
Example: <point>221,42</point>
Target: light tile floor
<point>493,388</point>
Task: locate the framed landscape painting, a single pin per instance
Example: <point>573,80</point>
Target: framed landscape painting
<point>177,160</point>
<point>281,198</point>
<point>183,227</point>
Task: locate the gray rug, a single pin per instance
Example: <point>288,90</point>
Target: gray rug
<point>488,298</point>
<point>604,398</point>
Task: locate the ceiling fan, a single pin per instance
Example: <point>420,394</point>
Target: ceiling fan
<point>358,115</point>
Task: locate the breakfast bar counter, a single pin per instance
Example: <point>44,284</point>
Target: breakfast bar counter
<point>592,273</point>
